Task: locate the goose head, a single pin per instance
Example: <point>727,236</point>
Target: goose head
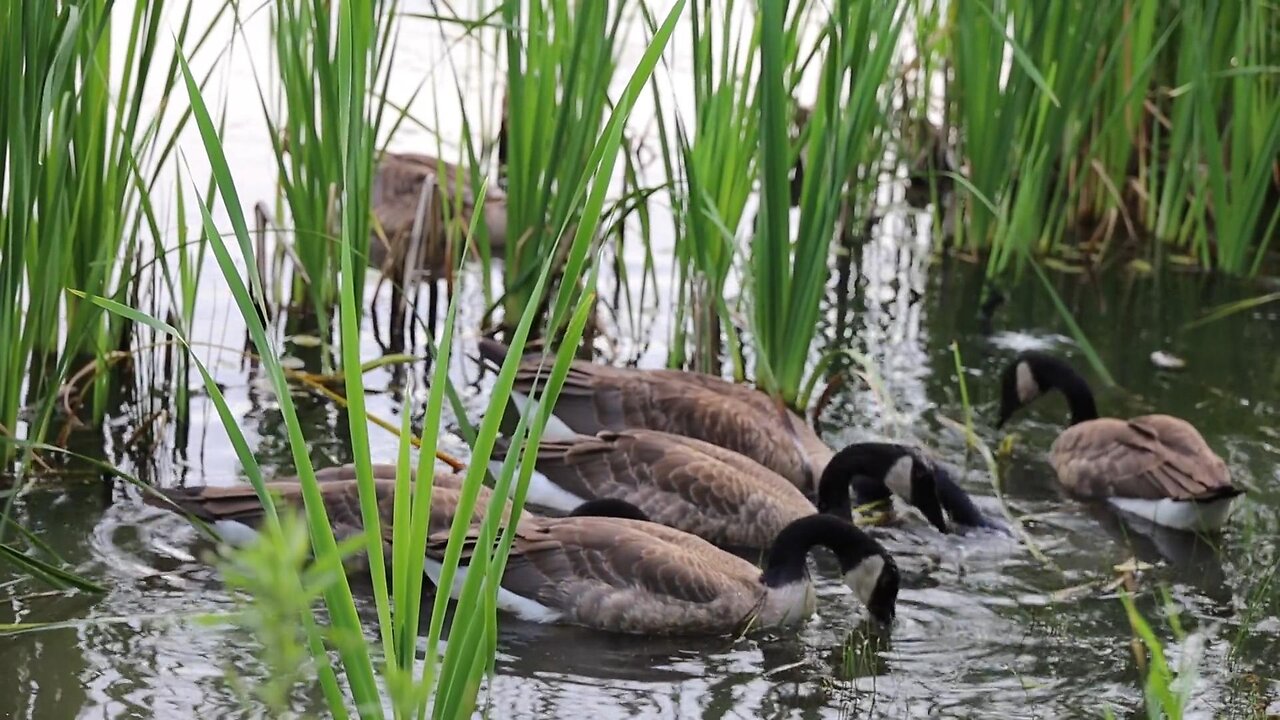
<point>878,471</point>
<point>1032,374</point>
<point>1019,385</point>
<point>875,581</point>
<point>866,568</point>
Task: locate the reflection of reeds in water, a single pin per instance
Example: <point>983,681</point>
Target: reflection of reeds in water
<point>892,324</point>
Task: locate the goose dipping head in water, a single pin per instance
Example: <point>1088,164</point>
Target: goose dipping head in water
<point>1157,467</point>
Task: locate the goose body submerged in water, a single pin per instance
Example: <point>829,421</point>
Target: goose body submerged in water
<point>696,405</point>
<point>721,496</point>
<point>1157,467</point>
<point>632,576</point>
<point>605,566</point>
<point>729,499</point>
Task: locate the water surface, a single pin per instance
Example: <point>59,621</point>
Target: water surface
<point>980,631</point>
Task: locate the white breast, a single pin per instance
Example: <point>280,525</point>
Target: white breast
<point>1178,514</point>
<point>234,532</point>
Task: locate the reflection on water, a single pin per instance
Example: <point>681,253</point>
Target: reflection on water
<point>985,629</point>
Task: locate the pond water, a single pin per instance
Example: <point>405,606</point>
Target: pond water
<point>982,631</point>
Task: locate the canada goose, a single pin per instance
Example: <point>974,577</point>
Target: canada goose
<point>630,576</point>
<point>1157,467</point>
<point>735,417</point>
<point>728,499</point>
<point>600,567</point>
<point>235,513</point>
<point>719,495</point>
<point>396,197</point>
<point>879,471</point>
<point>959,506</point>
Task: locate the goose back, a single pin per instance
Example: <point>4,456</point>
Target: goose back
<point>685,483</point>
<point>629,576</point>
<point>1149,457</point>
<point>395,196</point>
<point>744,420</point>
<point>236,513</point>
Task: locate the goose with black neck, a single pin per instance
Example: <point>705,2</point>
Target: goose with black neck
<point>1157,467</point>
<point>621,575</point>
<point>881,471</point>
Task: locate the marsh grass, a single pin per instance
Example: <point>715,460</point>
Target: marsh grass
<point>1166,690</point>
<point>788,270</point>
<point>446,683</point>
<point>81,147</point>
<point>560,61</point>
<point>1116,120</point>
<point>323,53</point>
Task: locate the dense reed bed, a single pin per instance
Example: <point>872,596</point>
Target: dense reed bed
<point>80,150</point>
<point>1073,133</point>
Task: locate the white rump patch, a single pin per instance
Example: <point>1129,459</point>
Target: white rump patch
<point>556,428</point>
<point>1028,389</point>
<point>1178,514</point>
<point>234,532</point>
<point>862,579</point>
<point>521,607</point>
<point>898,479</point>
<point>544,492</point>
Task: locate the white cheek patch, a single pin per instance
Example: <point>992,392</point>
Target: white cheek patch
<point>1028,389</point>
<point>863,578</point>
<point>898,479</point>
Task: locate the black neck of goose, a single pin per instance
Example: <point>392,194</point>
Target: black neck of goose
<point>1076,390</point>
<point>610,508</point>
<point>787,558</point>
<point>862,467</point>
<point>867,490</point>
<point>956,501</point>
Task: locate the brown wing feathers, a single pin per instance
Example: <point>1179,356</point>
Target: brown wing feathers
<point>1148,457</point>
<point>709,408</point>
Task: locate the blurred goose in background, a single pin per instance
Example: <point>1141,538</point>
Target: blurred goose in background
<point>1157,467</point>
<point>397,203</point>
<point>631,576</point>
<point>704,407</point>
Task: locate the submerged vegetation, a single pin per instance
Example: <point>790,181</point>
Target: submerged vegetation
<point>1072,135</point>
